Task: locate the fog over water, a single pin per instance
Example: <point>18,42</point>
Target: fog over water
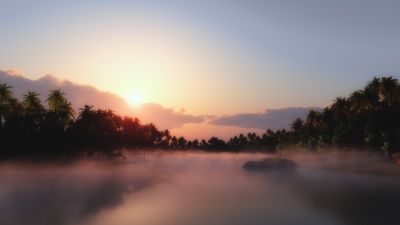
<point>201,188</point>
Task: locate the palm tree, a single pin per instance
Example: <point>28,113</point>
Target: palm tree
<point>14,107</point>
<point>67,110</point>
<point>252,137</point>
<point>167,138</point>
<point>5,93</point>
<point>297,125</point>
<point>32,103</point>
<point>174,142</point>
<point>14,118</point>
<point>59,105</point>
<point>362,101</point>
<point>388,90</point>
<point>85,112</point>
<point>374,86</point>
<point>56,100</point>
<point>314,119</point>
<point>34,110</point>
<point>398,94</point>
<point>365,104</point>
<point>384,89</point>
<point>339,106</point>
<point>5,97</point>
<point>61,112</point>
<point>182,143</point>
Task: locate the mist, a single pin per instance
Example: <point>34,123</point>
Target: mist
<point>197,188</point>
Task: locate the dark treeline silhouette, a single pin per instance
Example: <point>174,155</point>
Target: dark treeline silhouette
<point>27,127</point>
<point>367,119</point>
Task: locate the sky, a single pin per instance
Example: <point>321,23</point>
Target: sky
<point>206,57</point>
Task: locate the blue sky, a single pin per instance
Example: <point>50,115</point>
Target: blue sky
<point>209,57</point>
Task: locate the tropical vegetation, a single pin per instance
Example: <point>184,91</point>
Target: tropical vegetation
<point>366,119</point>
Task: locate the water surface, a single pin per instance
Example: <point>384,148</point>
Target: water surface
<point>194,189</point>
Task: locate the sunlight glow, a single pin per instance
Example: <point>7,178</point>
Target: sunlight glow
<point>135,99</point>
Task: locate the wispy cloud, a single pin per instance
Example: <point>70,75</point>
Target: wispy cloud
<point>165,117</point>
<point>269,119</point>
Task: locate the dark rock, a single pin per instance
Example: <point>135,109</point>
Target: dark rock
<point>270,164</point>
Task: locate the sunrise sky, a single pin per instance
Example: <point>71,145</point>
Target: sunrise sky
<point>206,57</point>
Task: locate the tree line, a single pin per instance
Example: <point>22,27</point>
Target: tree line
<point>367,119</point>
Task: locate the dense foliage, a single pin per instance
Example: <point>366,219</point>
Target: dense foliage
<point>367,119</point>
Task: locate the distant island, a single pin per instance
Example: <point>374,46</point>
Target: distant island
<point>368,119</point>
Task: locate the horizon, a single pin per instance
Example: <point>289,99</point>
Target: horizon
<point>178,121</point>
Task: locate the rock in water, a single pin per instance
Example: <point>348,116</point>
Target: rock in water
<point>270,164</point>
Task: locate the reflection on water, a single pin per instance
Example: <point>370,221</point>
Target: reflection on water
<point>192,189</point>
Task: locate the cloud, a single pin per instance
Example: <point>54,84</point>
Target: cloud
<point>80,95</point>
<point>269,119</point>
<point>14,71</point>
<point>164,117</point>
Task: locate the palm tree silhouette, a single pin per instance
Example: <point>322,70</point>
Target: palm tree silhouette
<point>34,110</point>
<point>32,103</point>
<point>314,119</point>
<point>59,105</point>
<point>297,125</point>
<point>85,111</point>
<point>55,100</point>
<point>5,97</point>
<point>13,118</point>
<point>374,85</point>
<point>5,93</point>
<point>388,90</point>
<point>60,112</point>
<point>362,101</point>
<point>339,105</point>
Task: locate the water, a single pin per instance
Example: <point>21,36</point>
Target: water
<point>195,189</point>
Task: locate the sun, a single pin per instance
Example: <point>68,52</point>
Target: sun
<point>135,99</point>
